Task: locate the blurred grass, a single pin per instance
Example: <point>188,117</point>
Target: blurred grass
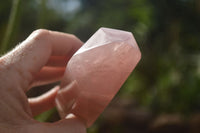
<point>44,117</point>
<point>11,26</point>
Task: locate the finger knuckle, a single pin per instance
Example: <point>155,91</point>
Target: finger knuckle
<point>40,34</point>
<point>74,36</point>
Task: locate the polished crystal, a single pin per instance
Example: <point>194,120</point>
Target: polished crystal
<point>99,68</point>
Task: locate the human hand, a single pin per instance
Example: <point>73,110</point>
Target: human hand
<point>40,59</point>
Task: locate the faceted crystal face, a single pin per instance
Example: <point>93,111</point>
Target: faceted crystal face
<point>99,68</point>
<point>106,36</point>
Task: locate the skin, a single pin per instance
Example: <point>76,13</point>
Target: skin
<point>40,59</point>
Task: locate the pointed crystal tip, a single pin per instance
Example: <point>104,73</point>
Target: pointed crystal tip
<point>105,36</point>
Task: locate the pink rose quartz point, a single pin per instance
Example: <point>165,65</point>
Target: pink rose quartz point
<point>97,71</point>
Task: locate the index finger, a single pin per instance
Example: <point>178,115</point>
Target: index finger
<point>32,54</point>
<point>60,43</point>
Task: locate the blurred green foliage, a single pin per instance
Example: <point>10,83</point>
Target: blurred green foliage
<point>167,78</point>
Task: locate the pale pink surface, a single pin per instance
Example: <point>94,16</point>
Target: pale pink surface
<point>98,69</point>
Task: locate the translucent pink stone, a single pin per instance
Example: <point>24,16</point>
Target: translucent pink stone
<point>98,69</point>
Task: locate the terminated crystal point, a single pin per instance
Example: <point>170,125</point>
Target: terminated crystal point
<point>98,69</point>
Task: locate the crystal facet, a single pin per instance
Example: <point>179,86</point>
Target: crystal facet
<point>99,68</point>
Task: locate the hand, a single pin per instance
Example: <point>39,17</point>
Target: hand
<point>40,59</point>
